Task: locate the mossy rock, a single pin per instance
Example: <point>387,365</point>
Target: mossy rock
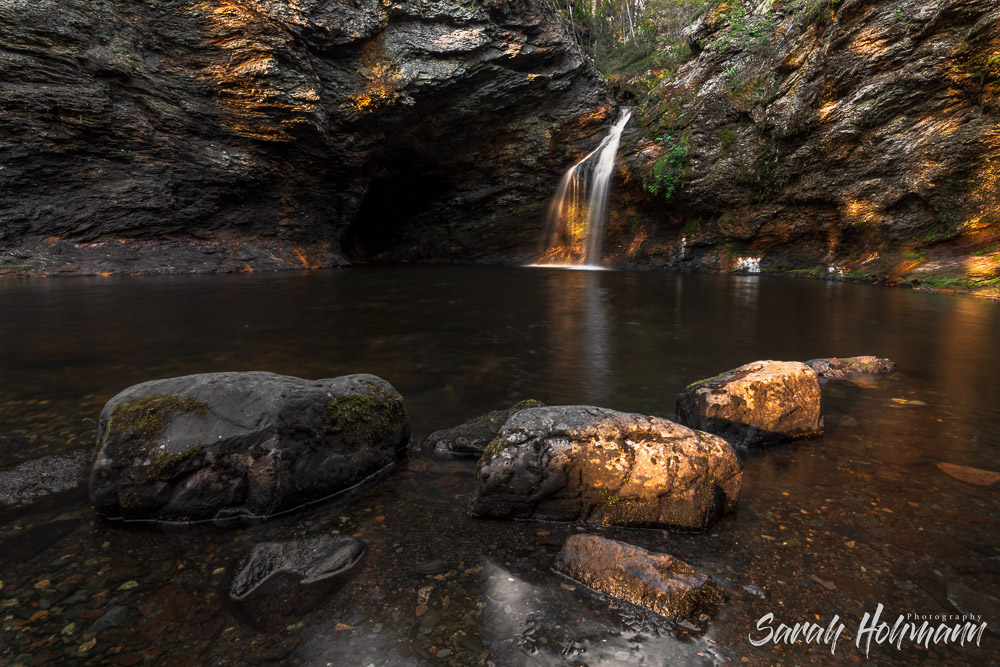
<point>241,445</point>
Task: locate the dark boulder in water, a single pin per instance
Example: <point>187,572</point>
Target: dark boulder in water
<point>231,445</point>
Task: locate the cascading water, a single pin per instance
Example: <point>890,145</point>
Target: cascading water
<point>574,226</point>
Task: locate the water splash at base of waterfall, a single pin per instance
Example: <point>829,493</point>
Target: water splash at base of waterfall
<point>574,225</point>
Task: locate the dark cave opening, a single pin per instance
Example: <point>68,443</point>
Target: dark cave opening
<point>391,205</point>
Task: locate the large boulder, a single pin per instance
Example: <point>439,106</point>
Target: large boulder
<point>586,463</point>
<point>657,581</point>
<point>473,436</point>
<point>758,403</point>
<point>225,445</point>
<point>839,368</point>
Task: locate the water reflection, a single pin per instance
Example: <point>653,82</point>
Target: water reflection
<point>835,525</point>
<point>579,338</point>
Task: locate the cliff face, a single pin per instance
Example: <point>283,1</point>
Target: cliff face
<point>179,135</point>
<point>855,138</point>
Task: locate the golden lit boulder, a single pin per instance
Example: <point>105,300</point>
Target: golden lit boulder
<point>657,581</point>
<point>583,463</point>
<point>756,404</point>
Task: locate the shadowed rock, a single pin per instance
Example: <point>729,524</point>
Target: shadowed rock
<point>473,436</point>
<point>756,404</point>
<point>586,463</point>
<point>225,445</point>
<point>50,474</point>
<point>837,368</point>
<point>311,560</point>
<point>657,581</point>
<point>276,580</point>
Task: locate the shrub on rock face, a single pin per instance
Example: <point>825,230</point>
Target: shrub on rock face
<point>758,403</point>
<point>473,436</point>
<point>586,463</point>
<point>657,581</point>
<point>224,445</point>
<point>836,368</point>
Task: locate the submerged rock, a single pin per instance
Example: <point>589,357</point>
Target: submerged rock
<point>836,368</point>
<point>572,463</point>
<point>758,403</point>
<point>657,581</point>
<point>41,477</point>
<point>473,436</point>
<point>976,476</point>
<point>291,578</point>
<point>224,445</point>
<point>312,559</point>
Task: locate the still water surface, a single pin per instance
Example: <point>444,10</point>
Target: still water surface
<point>833,526</point>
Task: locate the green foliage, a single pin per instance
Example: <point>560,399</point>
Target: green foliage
<point>811,11</point>
<point>987,251</point>
<point>744,32</point>
<point>669,169</point>
<point>916,254</point>
<point>898,15</point>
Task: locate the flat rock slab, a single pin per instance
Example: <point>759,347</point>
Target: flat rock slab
<point>310,560</point>
<point>34,479</point>
<point>656,581</point>
<point>473,436</point>
<point>241,445</point>
<point>593,464</point>
<point>840,368</point>
<point>976,476</point>
<point>758,403</point>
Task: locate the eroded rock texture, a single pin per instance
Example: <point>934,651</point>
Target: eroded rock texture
<point>241,445</point>
<point>839,368</point>
<point>179,135</point>
<point>758,403</point>
<point>572,463</point>
<point>657,581</point>
<point>853,138</point>
<point>475,435</point>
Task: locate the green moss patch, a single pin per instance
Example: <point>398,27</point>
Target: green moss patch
<point>366,418</point>
<point>137,422</point>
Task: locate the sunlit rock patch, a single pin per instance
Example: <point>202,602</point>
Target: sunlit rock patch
<point>758,403</point>
<point>657,581</point>
<point>593,464</point>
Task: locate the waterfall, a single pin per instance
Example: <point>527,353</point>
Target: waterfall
<point>574,225</point>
